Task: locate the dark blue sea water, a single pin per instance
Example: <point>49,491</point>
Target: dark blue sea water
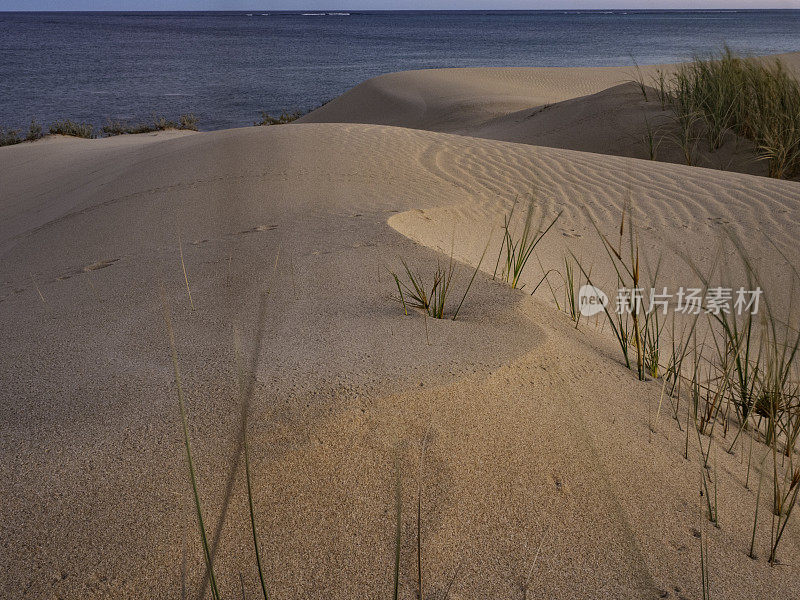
<point>226,67</point>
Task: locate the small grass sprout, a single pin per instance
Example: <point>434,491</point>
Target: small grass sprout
<point>416,294</point>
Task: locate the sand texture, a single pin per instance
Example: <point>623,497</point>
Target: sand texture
<point>541,476</point>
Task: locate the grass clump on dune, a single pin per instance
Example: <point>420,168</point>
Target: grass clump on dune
<point>755,99</point>
<point>185,122</point>
<point>416,294</point>
<point>73,129</point>
<point>87,130</point>
<point>9,137</point>
<point>34,131</point>
<point>188,121</point>
<point>282,119</point>
<point>413,291</point>
<point>751,380</point>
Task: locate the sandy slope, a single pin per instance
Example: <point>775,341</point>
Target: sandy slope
<point>539,467</point>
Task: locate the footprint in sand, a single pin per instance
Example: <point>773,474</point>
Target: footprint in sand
<point>100,264</point>
<point>257,228</point>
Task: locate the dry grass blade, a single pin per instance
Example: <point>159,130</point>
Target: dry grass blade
<point>185,276</point>
<point>419,510</point>
<point>752,553</point>
<point>452,580</point>
<point>38,291</point>
<point>526,585</point>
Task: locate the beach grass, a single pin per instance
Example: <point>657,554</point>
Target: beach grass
<point>662,88</point>
<point>626,323</point>
<point>638,79</point>
<point>188,122</point>
<point>84,130</point>
<point>757,99</point>
<point>753,368</point>
<point>744,373</point>
<point>415,293</point>
<point>9,137</point>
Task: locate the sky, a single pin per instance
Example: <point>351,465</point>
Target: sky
<point>131,5</point>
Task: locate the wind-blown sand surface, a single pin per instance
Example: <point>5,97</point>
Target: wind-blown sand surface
<point>539,467</point>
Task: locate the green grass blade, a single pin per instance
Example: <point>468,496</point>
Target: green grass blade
<point>478,268</point>
<point>187,446</point>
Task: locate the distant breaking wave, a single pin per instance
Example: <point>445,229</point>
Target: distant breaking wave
<point>326,14</point>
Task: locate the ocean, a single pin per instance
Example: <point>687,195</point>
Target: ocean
<point>226,67</point>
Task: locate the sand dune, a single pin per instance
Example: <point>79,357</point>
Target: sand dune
<point>598,110</point>
<point>541,476</point>
<point>457,99</point>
